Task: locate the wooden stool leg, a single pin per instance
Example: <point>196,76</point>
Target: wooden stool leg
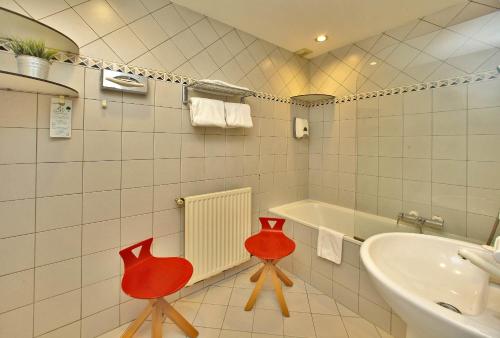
<point>256,275</point>
<point>278,291</point>
<point>256,290</point>
<point>178,319</point>
<point>281,275</point>
<point>136,324</point>
<point>156,325</point>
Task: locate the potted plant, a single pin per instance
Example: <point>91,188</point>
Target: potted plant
<point>33,58</point>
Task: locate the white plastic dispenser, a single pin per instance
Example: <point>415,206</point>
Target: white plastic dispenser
<point>301,127</point>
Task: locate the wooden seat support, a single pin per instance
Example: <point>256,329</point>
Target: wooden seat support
<point>277,276</point>
<point>160,308</point>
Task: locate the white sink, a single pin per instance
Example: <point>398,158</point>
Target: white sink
<point>413,272</point>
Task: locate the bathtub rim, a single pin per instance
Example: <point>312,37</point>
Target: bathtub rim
<point>275,211</point>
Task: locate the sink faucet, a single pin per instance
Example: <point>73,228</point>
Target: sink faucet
<point>487,259</point>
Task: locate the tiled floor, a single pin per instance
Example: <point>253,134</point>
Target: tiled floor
<point>217,312</point>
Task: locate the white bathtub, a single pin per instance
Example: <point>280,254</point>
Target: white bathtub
<point>348,221</point>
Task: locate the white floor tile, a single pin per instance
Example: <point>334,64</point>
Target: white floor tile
<point>299,325</point>
<point>218,312</point>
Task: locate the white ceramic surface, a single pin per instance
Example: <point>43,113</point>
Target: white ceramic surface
<point>413,272</point>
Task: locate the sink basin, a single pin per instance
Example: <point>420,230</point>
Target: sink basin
<point>415,272</point>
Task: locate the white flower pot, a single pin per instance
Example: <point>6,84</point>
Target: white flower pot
<point>33,66</point>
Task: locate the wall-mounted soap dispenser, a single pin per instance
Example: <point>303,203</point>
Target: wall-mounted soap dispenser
<point>300,127</point>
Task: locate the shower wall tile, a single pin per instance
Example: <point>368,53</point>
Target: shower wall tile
<point>439,158</point>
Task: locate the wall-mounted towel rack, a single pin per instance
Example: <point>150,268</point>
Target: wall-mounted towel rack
<point>215,89</point>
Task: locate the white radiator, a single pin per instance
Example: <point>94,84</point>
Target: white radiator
<point>216,227</point>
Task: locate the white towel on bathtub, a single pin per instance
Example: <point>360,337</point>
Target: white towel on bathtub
<point>330,244</point>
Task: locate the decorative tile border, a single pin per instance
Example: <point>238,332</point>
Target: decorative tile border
<point>470,78</point>
<point>95,63</point>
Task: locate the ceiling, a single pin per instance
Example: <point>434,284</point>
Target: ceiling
<point>293,24</point>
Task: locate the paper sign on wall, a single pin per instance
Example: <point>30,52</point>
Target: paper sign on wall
<point>60,118</point>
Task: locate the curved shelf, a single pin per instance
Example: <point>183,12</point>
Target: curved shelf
<point>312,98</point>
<point>24,83</point>
<point>16,25</point>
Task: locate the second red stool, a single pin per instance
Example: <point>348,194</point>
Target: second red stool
<point>270,245</point>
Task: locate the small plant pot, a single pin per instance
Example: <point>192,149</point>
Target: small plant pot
<point>33,66</point>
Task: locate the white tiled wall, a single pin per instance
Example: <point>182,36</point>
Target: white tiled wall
<point>433,151</point>
<point>68,205</point>
<point>165,36</point>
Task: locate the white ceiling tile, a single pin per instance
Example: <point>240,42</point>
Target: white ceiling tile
<point>169,55</point>
<point>233,42</point>
<point>422,66</point>
<point>422,28</point>
<point>471,55</point>
<point>40,9</point>
<point>341,52</point>
<point>204,32</point>
<point>489,32</point>
<point>402,56</point>
<point>421,41</point>
<point>168,18</point>
<point>75,2</point>
<point>153,5</point>
<point>444,17</point>
<point>402,80</point>
<point>471,11</point>
<point>204,64</point>
<point>382,44</point>
<point>219,75</point>
<point>354,56</point>
<point>384,75</point>
<point>72,25</point>
<point>268,47</point>
<point>147,60</point>
<point>245,61</point>
<point>368,43</point>
<point>11,5</point>
<point>125,44</point>
<point>232,71</point>
<point>341,72</point>
<point>471,27</point>
<point>148,31</point>
<point>188,70</point>
<point>128,10</point>
<point>491,63</point>
<point>219,53</point>
<point>445,71</point>
<point>267,67</point>
<point>444,44</point>
<point>187,43</point>
<point>401,32</point>
<point>245,37</point>
<point>256,78</point>
<point>257,51</point>
<point>189,16</point>
<point>277,58</point>
<point>99,16</point>
<point>221,28</point>
<point>99,49</point>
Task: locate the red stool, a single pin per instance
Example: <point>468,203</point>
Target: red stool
<point>270,245</point>
<point>149,277</point>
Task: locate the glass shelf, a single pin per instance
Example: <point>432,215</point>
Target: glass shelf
<point>24,83</point>
<point>312,98</point>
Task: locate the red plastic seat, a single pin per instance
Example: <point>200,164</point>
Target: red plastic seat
<point>270,242</point>
<point>149,277</point>
<point>270,245</point>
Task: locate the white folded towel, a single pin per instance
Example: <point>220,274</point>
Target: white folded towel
<point>222,83</point>
<point>238,115</point>
<point>206,112</point>
<point>330,244</point>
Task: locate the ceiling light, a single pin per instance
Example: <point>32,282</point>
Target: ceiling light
<point>321,38</point>
<point>373,63</point>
